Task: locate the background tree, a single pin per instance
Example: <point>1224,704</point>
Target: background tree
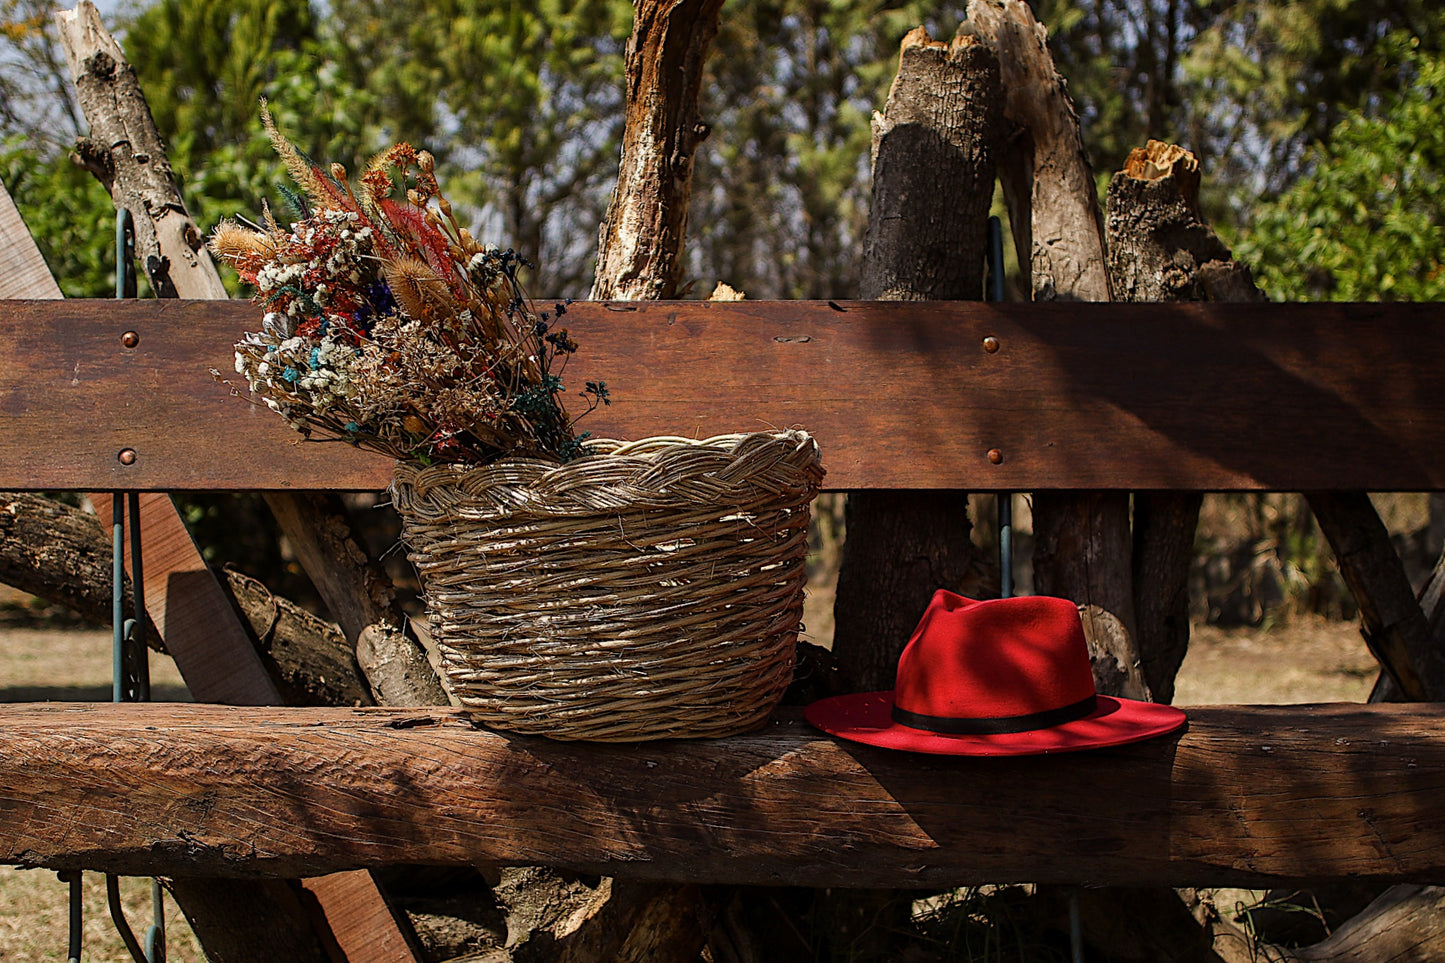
<point>522,106</point>
<point>781,196</point>
<point>1366,222</point>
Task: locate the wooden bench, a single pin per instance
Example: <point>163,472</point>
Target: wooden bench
<point>900,395</point>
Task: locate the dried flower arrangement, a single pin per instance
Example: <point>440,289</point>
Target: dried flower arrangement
<point>388,326</point>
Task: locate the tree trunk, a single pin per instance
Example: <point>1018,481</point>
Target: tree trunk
<point>1047,180</point>
<point>1160,249</point>
<point>639,256</point>
<point>934,150</point>
<point>59,553</point>
<point>311,658</point>
<point>639,259</point>
<point>1393,624</point>
<point>124,150</point>
<point>1082,542</point>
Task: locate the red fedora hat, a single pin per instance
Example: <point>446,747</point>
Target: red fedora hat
<point>1001,677</point>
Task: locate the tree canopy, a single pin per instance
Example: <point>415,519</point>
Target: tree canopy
<point>1321,105</point>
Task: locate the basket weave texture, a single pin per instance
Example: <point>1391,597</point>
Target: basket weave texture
<point>651,590</point>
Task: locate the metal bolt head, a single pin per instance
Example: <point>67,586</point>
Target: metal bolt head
<point>990,344</point>
<point>127,456</point>
<point>995,456</point>
<point>130,339</point>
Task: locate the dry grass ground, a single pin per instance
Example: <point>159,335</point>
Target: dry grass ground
<point>67,664</point>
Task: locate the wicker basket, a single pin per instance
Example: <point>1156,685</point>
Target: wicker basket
<point>653,590</point>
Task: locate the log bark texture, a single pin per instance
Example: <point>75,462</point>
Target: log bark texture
<point>1393,623</point>
<point>1406,924</point>
<point>1082,542</point>
<point>313,661</point>
<point>1083,551</point>
<point>1160,248</point>
<point>934,156</point>
<point>1047,180</point>
<point>639,254</point>
<point>59,553</point>
<point>1252,795</point>
<point>360,597</point>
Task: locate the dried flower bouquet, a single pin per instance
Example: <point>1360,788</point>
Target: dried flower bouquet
<point>388,326</point>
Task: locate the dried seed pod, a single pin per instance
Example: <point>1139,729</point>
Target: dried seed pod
<point>421,292</point>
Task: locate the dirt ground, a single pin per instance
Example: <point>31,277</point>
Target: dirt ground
<point>1303,660</point>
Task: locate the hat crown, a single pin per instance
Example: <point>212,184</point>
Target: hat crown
<point>994,659</point>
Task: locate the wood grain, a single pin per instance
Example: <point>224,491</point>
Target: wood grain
<point>1247,795</point>
<point>1079,396</point>
<point>23,271</point>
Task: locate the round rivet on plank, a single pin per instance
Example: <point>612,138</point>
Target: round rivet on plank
<point>990,344</point>
<point>995,456</point>
<point>127,456</point>
<point>130,339</point>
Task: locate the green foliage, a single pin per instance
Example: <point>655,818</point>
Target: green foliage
<point>1270,78</point>
<point>205,66</point>
<point>68,213</point>
<point>522,105</point>
<point>35,100</point>
<point>1367,221</point>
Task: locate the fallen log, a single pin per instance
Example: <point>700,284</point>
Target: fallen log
<point>1249,795</point>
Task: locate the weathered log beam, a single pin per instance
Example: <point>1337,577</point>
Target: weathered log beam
<point>1253,795</point>
<point>899,394</point>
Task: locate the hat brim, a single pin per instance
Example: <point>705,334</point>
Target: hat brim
<point>867,717</point>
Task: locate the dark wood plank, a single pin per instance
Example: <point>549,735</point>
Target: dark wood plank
<point>1247,795</point>
<point>900,395</point>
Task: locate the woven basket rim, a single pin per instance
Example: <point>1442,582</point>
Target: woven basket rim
<point>604,448</point>
<point>671,470</point>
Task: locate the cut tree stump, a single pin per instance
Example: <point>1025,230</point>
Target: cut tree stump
<point>1161,249</point>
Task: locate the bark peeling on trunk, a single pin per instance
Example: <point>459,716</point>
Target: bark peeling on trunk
<point>639,255</point>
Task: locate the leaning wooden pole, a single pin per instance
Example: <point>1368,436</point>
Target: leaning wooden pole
<point>126,152</point>
<point>1082,542</point>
